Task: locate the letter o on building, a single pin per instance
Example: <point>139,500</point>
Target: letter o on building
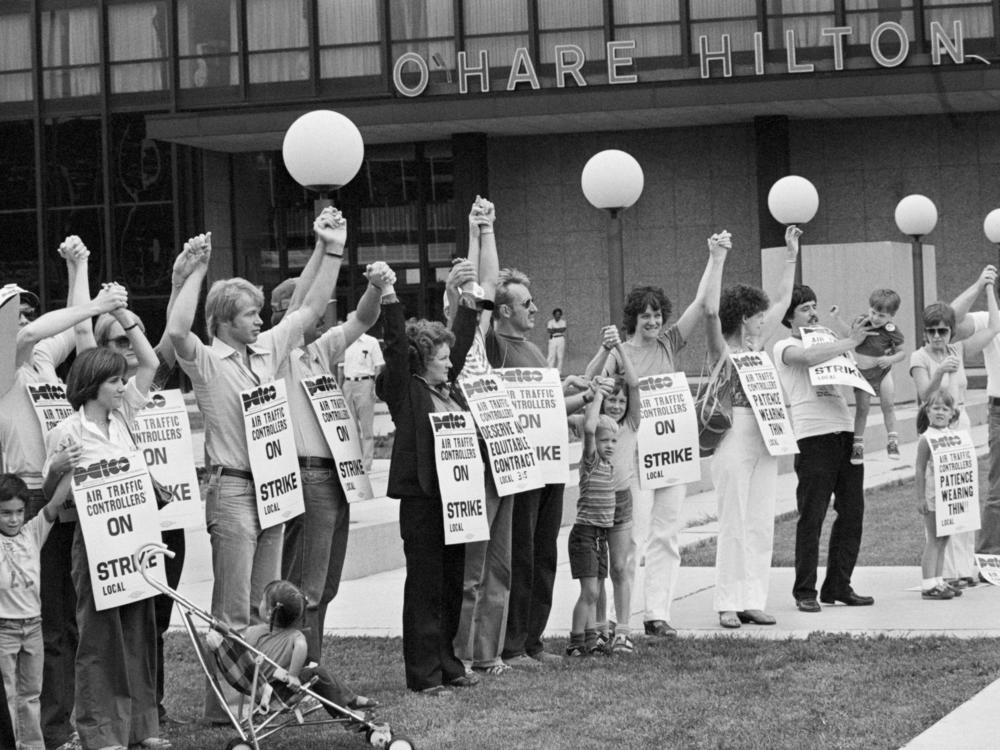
<point>397,74</point>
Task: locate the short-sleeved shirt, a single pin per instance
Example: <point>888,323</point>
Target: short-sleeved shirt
<point>508,351</point>
<point>20,434</point>
<point>476,361</point>
<point>991,354</point>
<point>218,374</point>
<point>596,504</point>
<point>277,645</point>
<point>21,571</point>
<point>815,410</point>
<point>307,362</point>
<point>556,328</point>
<point>623,458</point>
<point>888,339</point>
<point>650,359</point>
<point>953,382</point>
<point>363,357</point>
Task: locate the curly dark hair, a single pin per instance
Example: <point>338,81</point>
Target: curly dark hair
<point>89,371</point>
<point>639,299</point>
<point>739,302</point>
<point>426,336</point>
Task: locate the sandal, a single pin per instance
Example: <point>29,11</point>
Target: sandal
<point>729,619</point>
<point>361,702</point>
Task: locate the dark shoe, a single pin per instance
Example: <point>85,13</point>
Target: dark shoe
<point>659,629</point>
<point>941,592</point>
<point>808,605</point>
<point>756,617</point>
<point>969,581</point>
<point>470,679</point>
<point>851,599</point>
<point>438,691</point>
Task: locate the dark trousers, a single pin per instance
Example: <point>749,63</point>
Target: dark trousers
<point>163,604</point>
<point>988,538</point>
<point>59,632</point>
<point>432,595</point>
<point>534,555</point>
<point>824,468</point>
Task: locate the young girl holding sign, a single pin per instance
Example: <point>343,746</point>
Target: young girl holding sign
<point>116,656</point>
<point>934,420</point>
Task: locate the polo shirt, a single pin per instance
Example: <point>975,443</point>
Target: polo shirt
<point>649,359</point>
<point>218,374</point>
<point>318,358</point>
<point>363,357</point>
<point>815,410</point>
<point>507,351</point>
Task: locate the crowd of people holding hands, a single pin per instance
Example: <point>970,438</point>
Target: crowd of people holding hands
<point>80,673</point>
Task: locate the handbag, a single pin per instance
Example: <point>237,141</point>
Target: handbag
<point>713,407</point>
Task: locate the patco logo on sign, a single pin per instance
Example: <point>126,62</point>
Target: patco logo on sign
<point>522,376</point>
<point>481,386</point>
<point>259,396</point>
<point>656,382</point>
<point>452,421</point>
<point>324,384</point>
<point>103,468</point>
<point>46,392</point>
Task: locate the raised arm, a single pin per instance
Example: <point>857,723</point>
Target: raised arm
<point>591,416</point>
<point>488,263</point>
<point>963,303</point>
<point>144,352</point>
<point>57,321</point>
<point>380,277</point>
<point>814,355</point>
<point>718,247</point>
<point>186,303</point>
<point>783,297</point>
<point>184,265</point>
<point>76,255</point>
<point>978,340</point>
<point>331,230</point>
<point>694,312</point>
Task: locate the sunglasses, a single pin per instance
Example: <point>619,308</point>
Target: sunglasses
<point>29,313</point>
<point>122,342</point>
<point>937,331</point>
<point>527,303</point>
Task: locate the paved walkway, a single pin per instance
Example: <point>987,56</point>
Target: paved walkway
<point>372,605</point>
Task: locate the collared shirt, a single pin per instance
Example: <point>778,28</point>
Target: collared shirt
<point>218,374</point>
<point>363,357</point>
<point>20,434</point>
<point>317,358</point>
<point>814,409</point>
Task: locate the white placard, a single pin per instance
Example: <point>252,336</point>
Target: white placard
<point>838,370</point>
<point>989,566</point>
<point>10,322</point>
<point>760,384</point>
<point>117,510</point>
<point>537,397</point>
<point>271,447</point>
<point>50,404</point>
<point>341,433</point>
<point>956,481</point>
<point>461,477</point>
<point>163,433</point>
<point>512,459</point>
<point>667,438</point>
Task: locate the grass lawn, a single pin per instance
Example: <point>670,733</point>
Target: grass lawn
<point>827,691</point>
<point>893,534</point>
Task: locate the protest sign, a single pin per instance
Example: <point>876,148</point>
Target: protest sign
<point>760,384</point>
<point>667,438</point>
<point>838,370</point>
<point>50,404</point>
<point>956,481</point>
<point>10,320</point>
<point>461,477</point>
<point>341,434</point>
<point>537,397</point>
<point>273,458</point>
<point>117,510</point>
<point>163,433</point>
<point>512,459</point>
<point>989,567</point>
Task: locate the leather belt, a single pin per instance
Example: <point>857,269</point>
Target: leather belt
<point>315,462</point>
<point>360,377</point>
<point>238,473</point>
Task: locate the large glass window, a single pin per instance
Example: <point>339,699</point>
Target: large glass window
<point>18,226</point>
<point>805,17</point>
<point>277,40</point>
<point>863,16</point>
<point>208,38</point>
<point>71,52</point>
<point>350,36</point>
<point>713,18</point>
<point>137,34</point>
<point>497,26</point>
<point>580,23</point>
<point>653,24</point>
<point>976,16</point>
<point>15,51</point>
<point>427,28</point>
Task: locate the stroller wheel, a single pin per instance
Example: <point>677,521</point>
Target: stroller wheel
<point>238,743</point>
<point>379,736</point>
<point>401,743</point>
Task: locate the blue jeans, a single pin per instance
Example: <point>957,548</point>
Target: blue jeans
<point>21,657</point>
<point>988,540</point>
<point>315,547</point>
<point>245,559</point>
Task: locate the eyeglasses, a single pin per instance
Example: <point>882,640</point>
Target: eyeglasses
<point>29,313</point>
<point>942,332</point>
<point>122,342</point>
<point>527,303</point>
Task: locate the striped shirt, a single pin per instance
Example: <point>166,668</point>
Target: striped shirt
<point>596,505</point>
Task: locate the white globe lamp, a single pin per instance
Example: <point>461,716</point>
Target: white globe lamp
<point>991,226</point>
<point>612,180</point>
<point>916,215</point>
<point>323,150</point>
<point>793,200</point>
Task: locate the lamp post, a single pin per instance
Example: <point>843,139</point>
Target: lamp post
<point>322,150</point>
<point>612,180</point>
<point>793,200</point>
<point>916,216</point>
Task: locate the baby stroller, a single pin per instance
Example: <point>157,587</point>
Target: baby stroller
<point>274,702</point>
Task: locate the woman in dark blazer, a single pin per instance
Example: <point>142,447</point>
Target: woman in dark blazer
<point>422,359</point>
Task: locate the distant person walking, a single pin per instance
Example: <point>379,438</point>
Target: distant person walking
<point>363,360</point>
<point>557,339</point>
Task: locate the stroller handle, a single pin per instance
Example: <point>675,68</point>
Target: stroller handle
<point>147,552</point>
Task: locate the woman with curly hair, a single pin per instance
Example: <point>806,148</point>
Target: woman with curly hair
<point>743,471</point>
<point>422,360</point>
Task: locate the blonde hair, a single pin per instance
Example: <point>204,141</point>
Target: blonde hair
<point>225,299</point>
<point>604,422</point>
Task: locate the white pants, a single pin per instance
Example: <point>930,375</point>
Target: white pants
<point>744,475</point>
<point>655,555</point>
<point>557,350</point>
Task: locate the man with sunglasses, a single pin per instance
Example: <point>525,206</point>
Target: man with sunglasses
<point>41,345</point>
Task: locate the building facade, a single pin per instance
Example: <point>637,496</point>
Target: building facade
<point>136,123</point>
